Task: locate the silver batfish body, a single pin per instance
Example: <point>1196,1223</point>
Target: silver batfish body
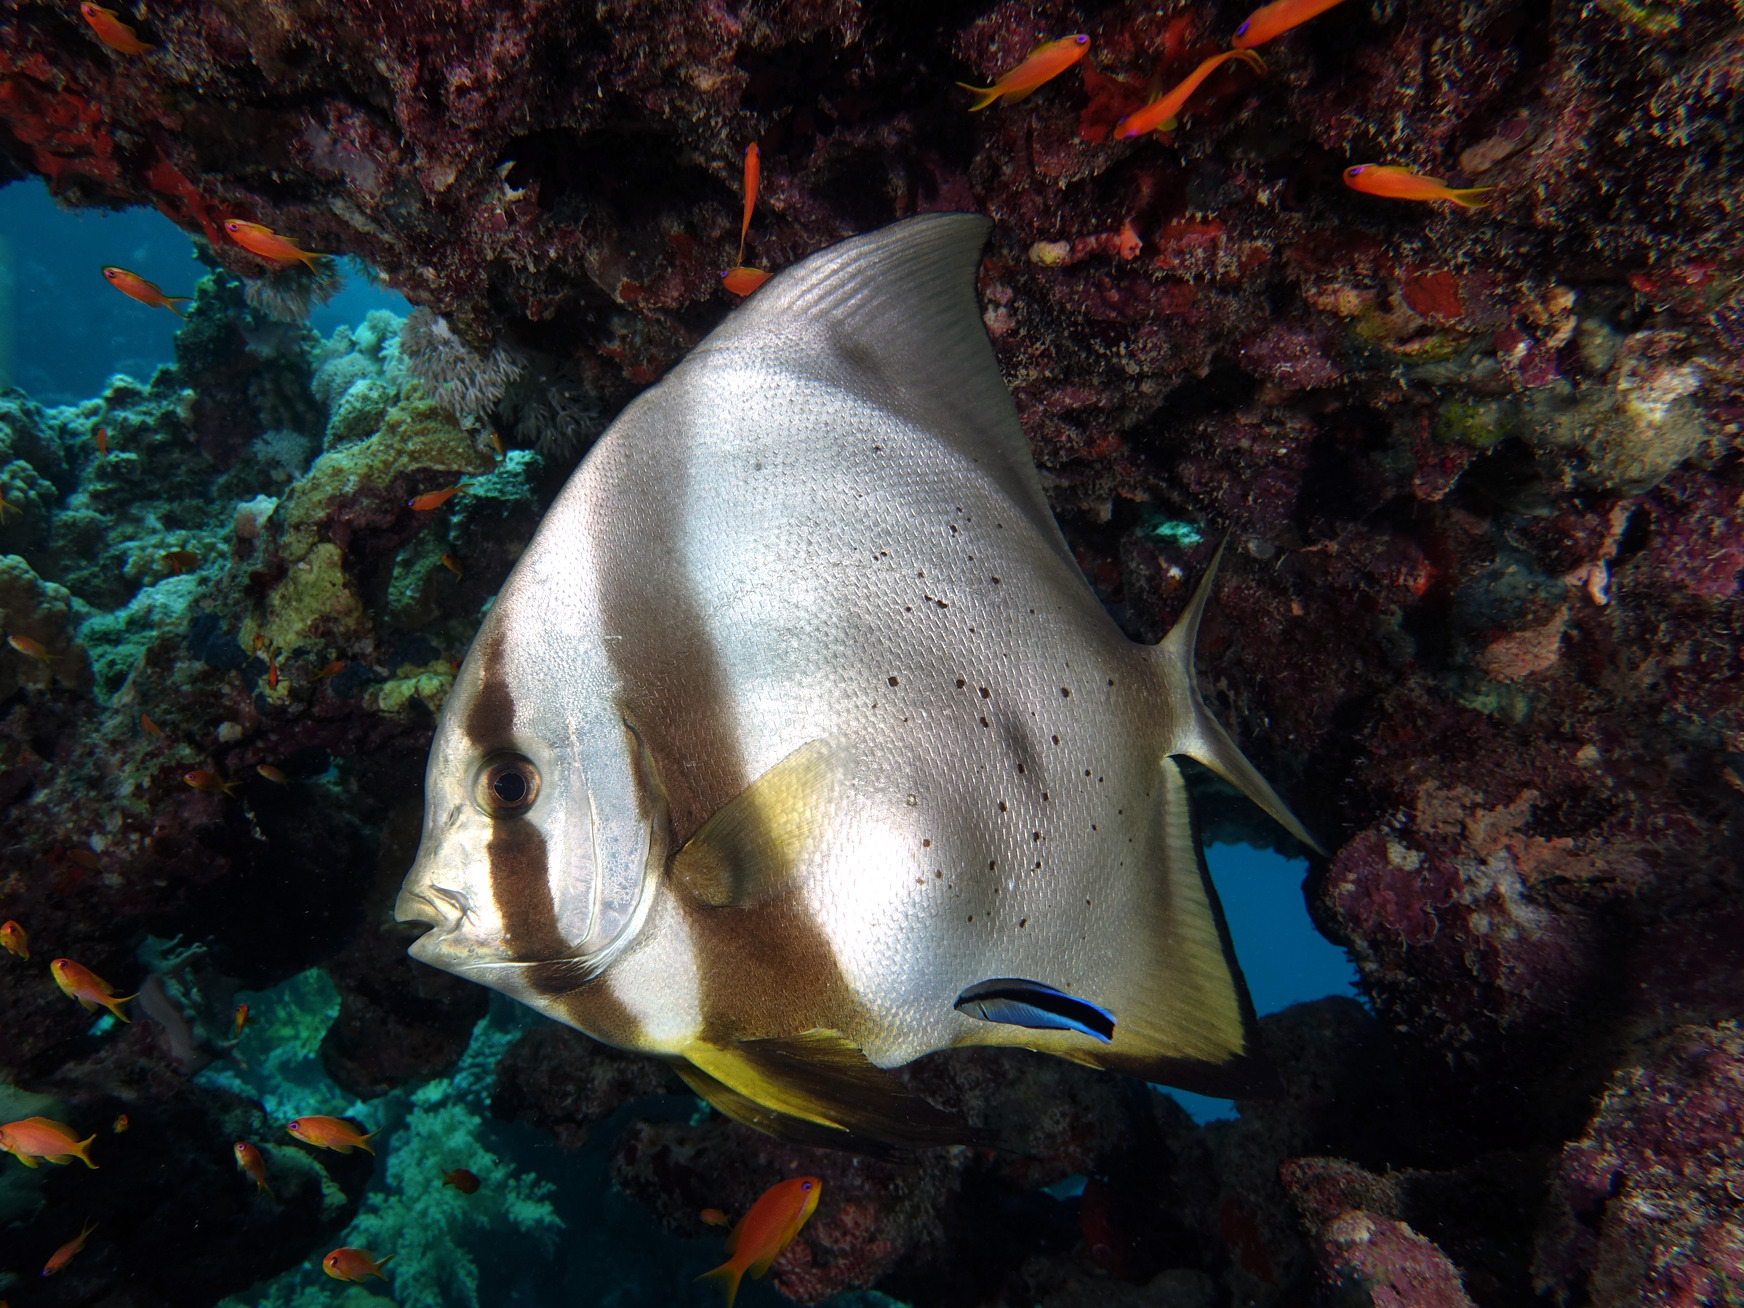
<point>796,746</point>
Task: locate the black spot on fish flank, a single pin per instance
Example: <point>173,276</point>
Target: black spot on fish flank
<point>490,720</point>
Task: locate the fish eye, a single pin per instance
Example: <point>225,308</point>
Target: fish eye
<point>507,785</point>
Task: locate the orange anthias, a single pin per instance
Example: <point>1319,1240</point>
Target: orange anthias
<point>15,941</point>
<point>135,287</point>
<point>35,1138</point>
<point>1277,18</point>
<point>739,279</point>
<point>331,1133</point>
<point>742,281</point>
<point>765,1231</point>
<point>433,499</point>
<point>1395,183</point>
<point>269,245</point>
<point>348,1264</point>
<point>239,1021</point>
<point>64,1255</point>
<point>87,987</point>
<point>249,1159</point>
<point>31,649</point>
<point>1045,63</point>
<point>1160,113</point>
<point>111,31</point>
<point>201,779</point>
<point>462,1180</point>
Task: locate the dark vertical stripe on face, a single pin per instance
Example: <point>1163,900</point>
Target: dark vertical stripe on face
<point>490,718</point>
<point>520,871</point>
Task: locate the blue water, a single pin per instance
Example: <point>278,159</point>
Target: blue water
<point>64,330</point>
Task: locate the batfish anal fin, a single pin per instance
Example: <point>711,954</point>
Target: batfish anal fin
<point>754,845</point>
<point>1039,1007</point>
<point>1199,735</point>
<point>823,1082</point>
<point>892,317</point>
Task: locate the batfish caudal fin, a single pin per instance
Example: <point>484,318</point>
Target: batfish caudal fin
<point>1200,736</point>
<point>817,1088</point>
<point>891,317</point>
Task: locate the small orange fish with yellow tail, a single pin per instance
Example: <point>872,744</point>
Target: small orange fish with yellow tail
<point>120,1124</point>
<point>31,649</point>
<point>739,279</point>
<point>331,1133</point>
<point>1160,114</point>
<point>239,1021</point>
<point>1045,62</point>
<point>765,1231</point>
<point>103,440</point>
<point>84,985</point>
<point>64,1255</point>
<point>1395,183</point>
<point>111,31</point>
<point>250,1160</point>
<point>203,780</point>
<point>36,1138</point>
<point>269,245</point>
<point>348,1264</point>
<point>14,940</point>
<point>462,1180</point>
<point>1277,18</point>
<point>135,287</point>
<point>272,774</point>
<point>149,727</point>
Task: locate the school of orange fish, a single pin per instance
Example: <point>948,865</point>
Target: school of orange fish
<point>775,1219</point>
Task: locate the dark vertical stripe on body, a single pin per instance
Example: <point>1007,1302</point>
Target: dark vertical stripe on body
<point>765,970</point>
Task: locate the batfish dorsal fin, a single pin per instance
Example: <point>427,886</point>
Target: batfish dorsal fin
<point>817,1087</point>
<point>892,317</point>
<point>753,845</point>
<point>1200,736</point>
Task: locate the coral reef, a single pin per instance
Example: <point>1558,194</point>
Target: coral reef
<point>1480,620</point>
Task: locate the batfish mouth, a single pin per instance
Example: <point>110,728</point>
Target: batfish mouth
<point>436,906</point>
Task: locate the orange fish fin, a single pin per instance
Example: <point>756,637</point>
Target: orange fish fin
<point>1018,97</point>
<point>1463,197</point>
<point>171,301</point>
<point>88,1005</point>
<point>727,1274</point>
<point>984,96</point>
<point>29,1160</point>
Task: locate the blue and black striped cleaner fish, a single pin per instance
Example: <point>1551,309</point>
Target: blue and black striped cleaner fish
<point>797,747</point>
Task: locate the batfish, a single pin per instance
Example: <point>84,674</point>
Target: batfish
<point>796,745</point>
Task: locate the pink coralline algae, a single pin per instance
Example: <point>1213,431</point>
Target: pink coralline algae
<point>1649,1200</point>
<point>1394,1265</point>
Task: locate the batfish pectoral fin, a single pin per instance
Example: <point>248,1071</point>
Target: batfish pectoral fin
<point>1038,1007</point>
<point>817,1088</point>
<point>752,847</point>
<point>1200,736</point>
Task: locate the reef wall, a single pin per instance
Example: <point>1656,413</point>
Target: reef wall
<point>1481,624</point>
